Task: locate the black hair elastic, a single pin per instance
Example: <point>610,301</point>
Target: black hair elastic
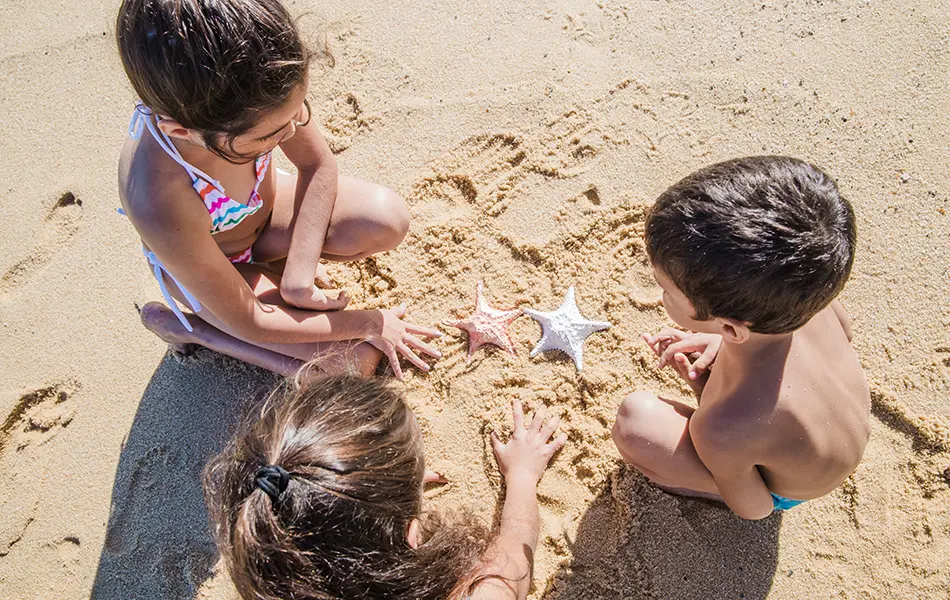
<point>273,479</point>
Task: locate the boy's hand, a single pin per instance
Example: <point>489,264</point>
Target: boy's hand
<point>526,455</point>
<point>672,342</point>
<point>397,337</point>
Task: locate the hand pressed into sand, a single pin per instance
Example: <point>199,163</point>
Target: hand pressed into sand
<point>521,460</point>
<point>526,455</point>
<point>396,336</point>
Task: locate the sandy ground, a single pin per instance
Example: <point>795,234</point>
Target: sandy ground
<point>527,137</point>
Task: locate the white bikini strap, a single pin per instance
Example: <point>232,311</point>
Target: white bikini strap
<point>158,269</point>
<point>142,116</point>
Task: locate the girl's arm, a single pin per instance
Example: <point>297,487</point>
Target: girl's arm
<point>180,239</point>
<point>507,573</point>
<point>314,198</point>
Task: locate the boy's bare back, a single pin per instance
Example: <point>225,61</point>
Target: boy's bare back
<point>801,408</point>
<point>751,255</point>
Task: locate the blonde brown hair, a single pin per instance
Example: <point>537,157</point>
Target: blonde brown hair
<point>338,527</point>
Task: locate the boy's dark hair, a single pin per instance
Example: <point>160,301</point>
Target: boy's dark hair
<point>338,528</point>
<point>766,240</point>
<point>212,65</point>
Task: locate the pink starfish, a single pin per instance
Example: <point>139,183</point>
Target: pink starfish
<point>486,325</point>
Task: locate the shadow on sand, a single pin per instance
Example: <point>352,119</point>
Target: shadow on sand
<point>636,541</point>
<point>158,542</point>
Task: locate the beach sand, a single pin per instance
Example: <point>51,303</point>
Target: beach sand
<point>527,138</point>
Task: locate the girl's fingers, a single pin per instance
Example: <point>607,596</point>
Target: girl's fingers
<point>433,477</point>
<point>517,415</point>
<point>538,419</point>
<point>400,311</point>
<point>496,444</point>
<point>650,342</point>
<point>558,443</point>
<point>423,331</point>
<point>667,333</point>
<point>412,357</point>
<point>418,344</point>
<point>390,351</point>
<point>548,430</point>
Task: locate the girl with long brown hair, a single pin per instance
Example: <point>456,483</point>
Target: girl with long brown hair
<point>320,497</point>
<point>222,84</point>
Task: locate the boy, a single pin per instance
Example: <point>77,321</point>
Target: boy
<point>751,254</point>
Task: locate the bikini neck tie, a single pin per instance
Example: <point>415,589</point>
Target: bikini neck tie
<point>273,480</point>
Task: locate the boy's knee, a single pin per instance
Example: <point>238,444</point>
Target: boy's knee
<point>634,415</point>
<point>395,218</point>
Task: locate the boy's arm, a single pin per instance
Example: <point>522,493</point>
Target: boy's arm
<point>315,196</point>
<point>843,317</point>
<point>725,452</point>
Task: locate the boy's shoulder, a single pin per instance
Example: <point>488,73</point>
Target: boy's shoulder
<point>731,421</point>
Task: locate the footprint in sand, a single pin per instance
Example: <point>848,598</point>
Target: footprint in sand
<point>346,119</point>
<point>944,352</point>
<point>35,419</point>
<point>480,173</point>
<point>57,230</point>
<point>38,416</point>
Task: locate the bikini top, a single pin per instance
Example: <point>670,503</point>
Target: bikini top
<point>225,212</point>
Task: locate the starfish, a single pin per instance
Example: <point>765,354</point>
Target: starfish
<point>565,329</point>
<point>486,325</point>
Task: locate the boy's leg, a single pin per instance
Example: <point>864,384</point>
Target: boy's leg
<point>367,218</point>
<point>652,434</point>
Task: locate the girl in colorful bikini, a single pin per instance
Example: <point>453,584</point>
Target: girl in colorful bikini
<point>236,240</point>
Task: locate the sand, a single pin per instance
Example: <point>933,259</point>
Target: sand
<point>527,138</point>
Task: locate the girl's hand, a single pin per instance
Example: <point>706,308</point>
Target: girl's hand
<point>397,337</point>
<point>672,342</point>
<point>525,456</point>
<point>313,298</point>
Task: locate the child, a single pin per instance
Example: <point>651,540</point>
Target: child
<point>222,84</point>
<point>321,497</point>
<point>751,254</point>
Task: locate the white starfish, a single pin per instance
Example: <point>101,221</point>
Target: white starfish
<point>565,329</point>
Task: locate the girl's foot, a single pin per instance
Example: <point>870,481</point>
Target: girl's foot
<point>161,321</point>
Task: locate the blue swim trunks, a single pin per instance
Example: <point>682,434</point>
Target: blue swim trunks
<point>780,503</point>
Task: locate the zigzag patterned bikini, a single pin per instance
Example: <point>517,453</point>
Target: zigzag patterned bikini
<point>225,212</point>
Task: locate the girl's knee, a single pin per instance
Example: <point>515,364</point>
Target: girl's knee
<point>393,218</point>
<point>367,359</point>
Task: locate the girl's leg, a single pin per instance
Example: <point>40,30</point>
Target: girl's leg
<point>652,434</point>
<point>367,218</point>
<point>333,357</point>
<point>161,321</point>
